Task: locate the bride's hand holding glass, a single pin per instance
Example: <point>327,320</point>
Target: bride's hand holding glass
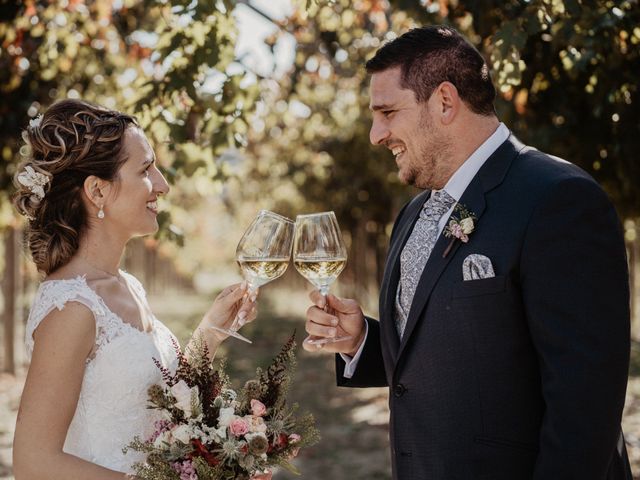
<point>263,255</point>
<point>235,301</point>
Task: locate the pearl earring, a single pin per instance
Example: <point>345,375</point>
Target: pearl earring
<point>101,213</point>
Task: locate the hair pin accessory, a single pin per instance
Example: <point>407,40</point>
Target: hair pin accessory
<point>34,181</point>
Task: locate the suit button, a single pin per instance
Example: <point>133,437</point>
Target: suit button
<point>399,390</point>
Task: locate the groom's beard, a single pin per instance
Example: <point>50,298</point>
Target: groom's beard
<point>431,170</point>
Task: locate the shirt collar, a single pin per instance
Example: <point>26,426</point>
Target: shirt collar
<point>461,179</point>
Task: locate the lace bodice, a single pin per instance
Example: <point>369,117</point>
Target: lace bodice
<point>111,408</point>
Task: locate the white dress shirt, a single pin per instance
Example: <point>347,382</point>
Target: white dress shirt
<point>455,187</point>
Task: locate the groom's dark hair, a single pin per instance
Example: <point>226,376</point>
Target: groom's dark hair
<point>428,56</point>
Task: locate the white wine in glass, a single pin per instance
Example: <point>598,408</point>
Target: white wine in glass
<point>319,255</point>
<point>321,272</point>
<point>258,271</point>
<point>263,255</point>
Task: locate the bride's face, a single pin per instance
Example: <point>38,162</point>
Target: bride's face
<point>132,206</point>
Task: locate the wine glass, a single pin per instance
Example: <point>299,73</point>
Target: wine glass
<point>319,255</point>
<point>263,255</point>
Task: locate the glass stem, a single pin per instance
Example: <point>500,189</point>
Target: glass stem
<point>324,291</point>
<point>235,326</point>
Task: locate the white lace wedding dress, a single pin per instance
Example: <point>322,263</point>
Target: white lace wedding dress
<point>111,409</point>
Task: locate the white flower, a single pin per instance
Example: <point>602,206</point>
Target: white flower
<point>221,432</point>
<point>467,225</point>
<point>256,424</point>
<point>163,413</point>
<point>35,122</point>
<point>200,434</point>
<point>183,395</point>
<point>182,433</point>
<point>34,181</point>
<point>226,416</point>
<point>162,440</point>
<point>197,428</point>
<point>228,395</point>
<point>215,434</point>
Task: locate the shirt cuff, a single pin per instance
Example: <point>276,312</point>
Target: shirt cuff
<point>352,362</point>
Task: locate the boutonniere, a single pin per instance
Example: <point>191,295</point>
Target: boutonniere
<point>460,226</point>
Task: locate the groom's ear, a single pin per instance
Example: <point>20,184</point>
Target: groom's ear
<point>449,102</point>
<point>96,190</point>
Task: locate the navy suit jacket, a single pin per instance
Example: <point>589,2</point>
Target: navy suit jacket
<point>519,376</point>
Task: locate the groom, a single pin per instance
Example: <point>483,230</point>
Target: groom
<point>504,308</point>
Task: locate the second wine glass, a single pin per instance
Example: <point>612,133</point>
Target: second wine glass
<point>263,255</point>
<point>319,254</point>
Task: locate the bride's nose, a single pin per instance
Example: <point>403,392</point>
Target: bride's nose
<point>160,184</point>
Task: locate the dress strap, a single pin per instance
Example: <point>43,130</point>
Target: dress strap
<point>135,284</point>
<point>56,294</point>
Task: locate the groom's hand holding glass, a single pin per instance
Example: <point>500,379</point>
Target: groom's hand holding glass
<point>333,316</point>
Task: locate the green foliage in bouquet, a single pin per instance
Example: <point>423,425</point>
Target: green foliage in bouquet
<point>205,430</point>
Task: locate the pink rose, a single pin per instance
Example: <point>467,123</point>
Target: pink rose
<point>294,438</point>
<point>238,427</point>
<point>257,408</point>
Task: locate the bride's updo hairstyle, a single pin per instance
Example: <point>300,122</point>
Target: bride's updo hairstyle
<point>71,141</point>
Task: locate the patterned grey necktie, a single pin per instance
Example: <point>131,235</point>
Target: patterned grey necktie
<point>416,252</point>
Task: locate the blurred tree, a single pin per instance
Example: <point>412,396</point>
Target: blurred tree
<point>309,143</point>
<point>171,63</point>
<point>567,71</point>
<point>566,74</point>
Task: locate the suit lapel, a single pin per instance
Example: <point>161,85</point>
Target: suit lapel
<point>490,175</point>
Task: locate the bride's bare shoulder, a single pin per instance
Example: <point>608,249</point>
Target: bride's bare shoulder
<point>66,272</point>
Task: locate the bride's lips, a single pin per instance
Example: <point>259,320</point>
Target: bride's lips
<point>153,206</point>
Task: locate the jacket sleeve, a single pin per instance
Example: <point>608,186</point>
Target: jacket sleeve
<point>575,291</point>
<point>370,369</point>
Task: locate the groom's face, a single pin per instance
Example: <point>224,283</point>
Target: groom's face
<point>409,129</point>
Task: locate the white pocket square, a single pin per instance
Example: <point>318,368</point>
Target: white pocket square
<point>476,267</point>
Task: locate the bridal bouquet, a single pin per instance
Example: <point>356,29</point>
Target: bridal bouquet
<point>210,432</point>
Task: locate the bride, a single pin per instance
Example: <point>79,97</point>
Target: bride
<point>90,183</point>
